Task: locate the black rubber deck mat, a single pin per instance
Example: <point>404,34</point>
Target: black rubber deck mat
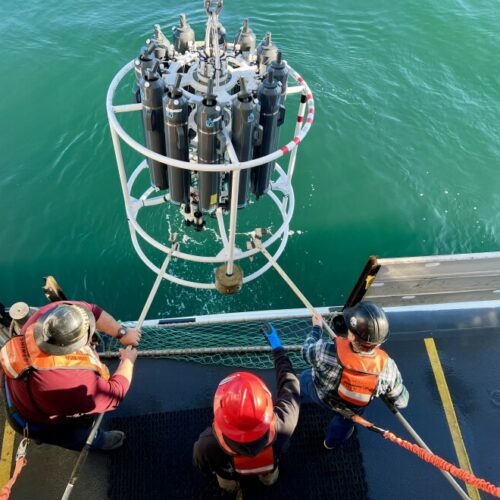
<point>156,461</point>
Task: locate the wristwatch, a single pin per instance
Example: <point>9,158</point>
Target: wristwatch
<point>122,331</point>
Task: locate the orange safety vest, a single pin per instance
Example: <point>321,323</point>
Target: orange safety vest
<point>263,463</point>
<point>21,353</point>
<point>359,377</point>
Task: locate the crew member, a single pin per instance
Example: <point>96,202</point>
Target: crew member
<point>347,373</point>
<point>54,381</point>
<point>249,432</point>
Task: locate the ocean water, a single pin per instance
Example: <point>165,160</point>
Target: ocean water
<point>403,158</point>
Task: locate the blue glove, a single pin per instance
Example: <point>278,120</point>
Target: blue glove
<point>272,337</point>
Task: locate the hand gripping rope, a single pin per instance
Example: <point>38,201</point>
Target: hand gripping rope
<point>20,463</point>
<point>431,458</point>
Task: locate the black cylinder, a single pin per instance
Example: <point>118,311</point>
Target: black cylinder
<point>176,113</point>
<point>152,89</point>
<point>146,60</point>
<point>269,95</point>
<point>183,35</point>
<point>266,53</point>
<point>280,73</point>
<point>161,43</point>
<point>245,40</point>
<point>209,126</point>
<point>246,132</point>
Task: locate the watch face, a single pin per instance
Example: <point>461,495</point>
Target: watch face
<point>122,331</point>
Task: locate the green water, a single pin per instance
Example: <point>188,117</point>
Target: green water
<point>403,159</point>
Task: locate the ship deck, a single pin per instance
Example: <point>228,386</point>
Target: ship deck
<point>444,314</point>
<point>467,343</point>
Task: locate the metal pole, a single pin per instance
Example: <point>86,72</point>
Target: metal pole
<point>121,168</point>
<point>156,285</point>
<point>421,443</point>
<point>292,285</point>
<point>298,126</point>
<point>232,221</point>
<point>82,457</point>
<point>95,427</point>
<point>204,350</point>
<point>234,202</point>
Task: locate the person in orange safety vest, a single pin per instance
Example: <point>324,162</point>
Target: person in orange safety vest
<point>347,373</point>
<point>249,431</point>
<point>53,380</point>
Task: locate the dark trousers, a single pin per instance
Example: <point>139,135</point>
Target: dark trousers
<point>70,434</point>
<point>339,429</point>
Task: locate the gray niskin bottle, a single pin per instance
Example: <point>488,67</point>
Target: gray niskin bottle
<point>246,134</point>
<point>152,89</point>
<point>245,39</point>
<point>266,53</point>
<point>183,35</point>
<point>162,43</point>
<point>209,126</point>
<point>280,73</point>
<point>145,60</point>
<point>176,113</point>
<point>271,117</point>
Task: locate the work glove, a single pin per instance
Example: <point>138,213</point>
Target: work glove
<point>271,335</point>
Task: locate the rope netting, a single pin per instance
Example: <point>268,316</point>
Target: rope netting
<point>236,343</point>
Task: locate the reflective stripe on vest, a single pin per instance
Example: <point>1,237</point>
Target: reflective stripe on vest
<point>359,378</point>
<point>22,353</point>
<point>260,464</point>
<point>246,465</point>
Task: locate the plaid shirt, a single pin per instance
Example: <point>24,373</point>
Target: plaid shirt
<point>326,368</point>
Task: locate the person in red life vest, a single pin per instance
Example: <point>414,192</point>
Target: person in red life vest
<point>53,380</point>
<point>249,431</point>
<point>347,373</point>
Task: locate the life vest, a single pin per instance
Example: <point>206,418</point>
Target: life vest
<point>262,463</point>
<point>21,353</point>
<point>359,377</point>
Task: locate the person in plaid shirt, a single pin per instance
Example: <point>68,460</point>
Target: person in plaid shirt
<point>346,374</point>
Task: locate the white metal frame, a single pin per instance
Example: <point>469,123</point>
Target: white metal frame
<point>228,254</point>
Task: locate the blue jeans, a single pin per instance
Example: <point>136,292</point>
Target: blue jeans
<point>339,429</point>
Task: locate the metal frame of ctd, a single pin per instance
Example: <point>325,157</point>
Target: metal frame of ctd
<point>228,255</point>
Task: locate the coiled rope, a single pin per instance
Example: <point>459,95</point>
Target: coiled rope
<point>431,458</point>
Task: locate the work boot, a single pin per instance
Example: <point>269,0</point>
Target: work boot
<point>271,478</point>
<point>229,485</point>
<point>332,448</point>
<point>112,440</point>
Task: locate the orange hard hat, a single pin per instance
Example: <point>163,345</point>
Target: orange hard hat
<point>243,407</point>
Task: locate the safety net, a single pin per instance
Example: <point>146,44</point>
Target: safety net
<point>230,343</point>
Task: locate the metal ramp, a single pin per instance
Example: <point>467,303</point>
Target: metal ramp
<point>439,279</point>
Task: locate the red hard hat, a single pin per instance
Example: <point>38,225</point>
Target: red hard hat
<point>243,407</point>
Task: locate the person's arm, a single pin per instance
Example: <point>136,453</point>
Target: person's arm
<point>107,324</point>
<point>287,405</point>
<point>313,343</point>
<point>393,388</point>
<point>108,394</point>
<point>126,366</point>
<point>209,457</point>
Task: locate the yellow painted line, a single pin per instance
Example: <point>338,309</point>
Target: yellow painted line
<point>9,436</point>
<point>451,416</point>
